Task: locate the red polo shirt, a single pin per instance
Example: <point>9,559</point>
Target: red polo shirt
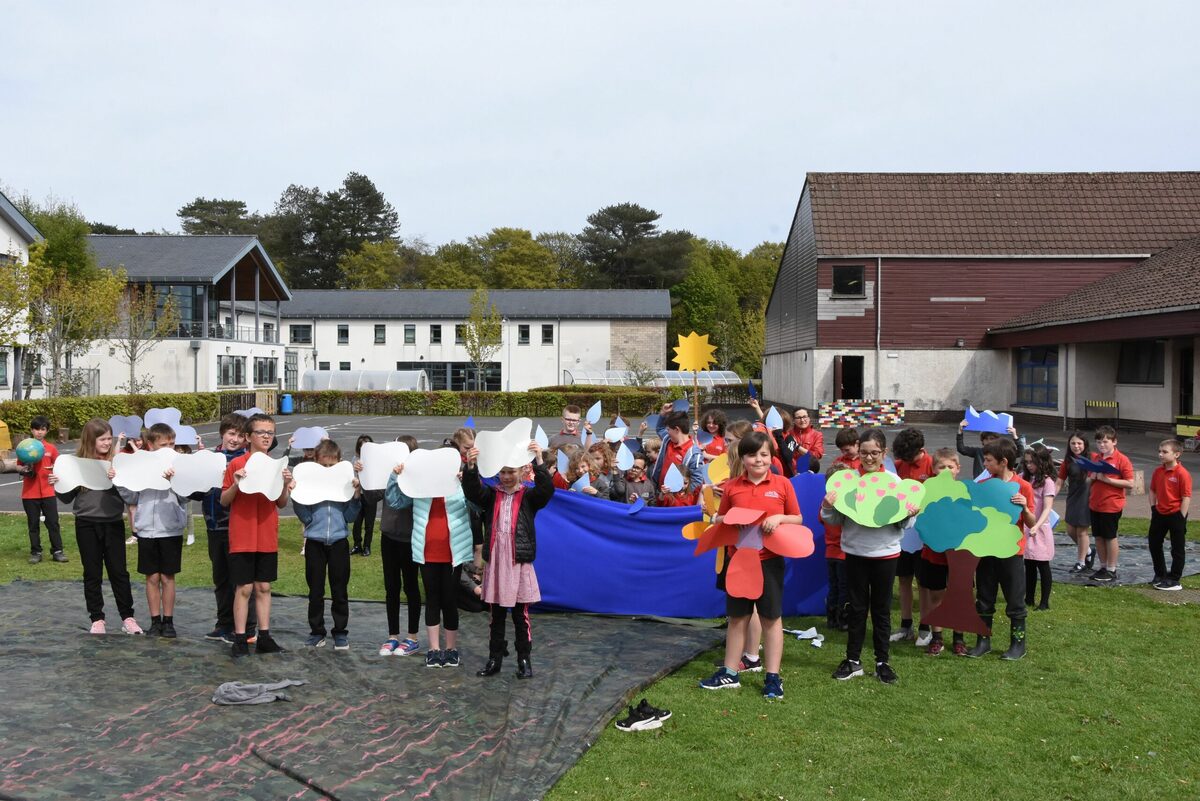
<point>849,462</point>
<point>918,470</point>
<point>716,447</point>
<point>1105,497</point>
<point>772,496</point>
<point>675,454</point>
<point>1170,487</point>
<point>36,484</point>
<point>253,518</point>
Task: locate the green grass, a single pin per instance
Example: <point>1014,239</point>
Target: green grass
<point>1104,707</point>
<point>1140,526</point>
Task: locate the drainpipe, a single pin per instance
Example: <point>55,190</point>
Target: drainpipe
<point>1066,386</point>
<point>878,321</point>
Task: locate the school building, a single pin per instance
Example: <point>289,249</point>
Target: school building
<point>17,233</point>
<point>1057,295</point>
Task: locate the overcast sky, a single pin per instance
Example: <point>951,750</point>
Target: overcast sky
<point>472,115</point>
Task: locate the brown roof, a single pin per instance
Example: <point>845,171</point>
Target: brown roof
<point>1166,282</point>
<point>856,214</point>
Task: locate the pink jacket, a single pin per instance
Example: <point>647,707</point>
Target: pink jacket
<point>1039,542</point>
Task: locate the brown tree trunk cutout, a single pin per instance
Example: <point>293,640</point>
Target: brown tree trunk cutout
<point>957,609</point>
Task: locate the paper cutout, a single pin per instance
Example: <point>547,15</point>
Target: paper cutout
<point>170,415</point>
<point>130,426</point>
<point>708,501</point>
<point>744,579</point>
<point>773,420</point>
<point>815,638</point>
<point>624,457</point>
<point>750,537</point>
<point>431,474</point>
<point>957,609</point>
<point>652,422</point>
<point>791,540</point>
<point>197,472</point>
<point>316,483</point>
<point>717,536</point>
<point>703,437</point>
<point>71,472</point>
<point>988,421</point>
<point>1097,466</point>
<point>718,470</point>
<point>694,353</point>
<point>563,463</point>
<point>593,413</point>
<point>681,405</point>
<point>673,479</point>
<point>874,499</point>
<point>984,476</point>
<point>750,388</point>
<point>253,410</point>
<point>508,447</point>
<point>803,463</point>
<point>581,483</point>
<point>889,464</point>
<point>308,437</point>
<point>541,439</point>
<point>1042,441</point>
<point>741,516</point>
<point>615,435</point>
<point>638,504</point>
<point>469,422</point>
<point>1053,519</point>
<point>143,470</point>
<point>910,540</point>
<point>264,476</point>
<point>619,423</point>
<point>378,460</point>
<point>186,435</point>
<point>693,531</point>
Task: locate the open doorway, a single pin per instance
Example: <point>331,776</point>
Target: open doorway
<point>848,377</point>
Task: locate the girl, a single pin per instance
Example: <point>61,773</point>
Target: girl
<point>100,533</point>
<point>367,510</point>
<point>560,478</point>
<point>601,462</point>
<point>1079,519</point>
<point>1039,542</point>
<point>713,423</point>
<point>871,555</point>
<point>399,572</point>
<point>752,640</point>
<point>579,466</point>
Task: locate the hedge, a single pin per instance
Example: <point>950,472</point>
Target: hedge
<point>73,413</point>
<point>629,401</point>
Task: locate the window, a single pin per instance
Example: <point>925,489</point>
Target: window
<point>266,371</point>
<point>268,332</point>
<point>410,335</point>
<point>435,335</point>
<point>848,281</point>
<point>1037,377</point>
<point>548,334</point>
<point>300,334</point>
<point>1141,362</point>
<point>343,335</point>
<point>3,368</point>
<point>457,376</point>
<point>322,365</point>
<point>380,334</point>
<point>344,366</point>
<point>460,333</point>
<point>522,334</point>
<point>231,371</point>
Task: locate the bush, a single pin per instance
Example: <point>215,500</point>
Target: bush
<point>626,400</point>
<point>73,413</point>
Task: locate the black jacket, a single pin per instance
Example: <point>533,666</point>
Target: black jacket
<point>535,498</point>
<point>216,516</point>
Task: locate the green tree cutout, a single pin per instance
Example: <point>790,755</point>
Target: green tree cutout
<point>874,499</point>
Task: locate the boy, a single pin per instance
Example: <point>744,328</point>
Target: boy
<point>933,568</point>
<point>914,463</point>
<point>633,483</point>
<point>37,496</point>
<point>159,518</point>
<point>1170,499</point>
<point>570,434</point>
<point>847,442</point>
<point>999,457</point>
<point>253,539</point>
<point>976,453</point>
<point>678,449</point>
<point>216,520</point>
<point>1106,501</point>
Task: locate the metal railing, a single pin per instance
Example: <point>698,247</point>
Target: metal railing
<point>241,333</point>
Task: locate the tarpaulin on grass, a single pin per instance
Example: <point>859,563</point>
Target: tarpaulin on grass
<point>126,717</point>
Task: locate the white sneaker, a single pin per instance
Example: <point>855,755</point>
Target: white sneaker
<point>901,635</point>
<point>130,626</point>
<point>924,638</point>
<point>191,539</point>
<point>131,540</point>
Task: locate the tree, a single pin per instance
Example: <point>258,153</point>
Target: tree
<point>105,228</point>
<point>15,296</point>
<point>482,333</point>
<point>571,267</point>
<point>454,265</point>
<point>624,249</point>
<point>705,301</point>
<point>509,258</point>
<point>217,216</point>
<point>141,325</point>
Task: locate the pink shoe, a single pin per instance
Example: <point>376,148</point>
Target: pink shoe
<point>97,627</point>
<point>130,626</point>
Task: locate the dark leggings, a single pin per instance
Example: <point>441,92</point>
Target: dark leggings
<point>102,548</point>
<point>35,508</point>
<point>497,645</point>
<point>869,586</point>
<point>441,595</point>
<point>400,573</point>
<point>1033,569</point>
<point>365,520</point>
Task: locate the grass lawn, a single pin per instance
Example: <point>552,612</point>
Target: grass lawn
<point>1104,707</point>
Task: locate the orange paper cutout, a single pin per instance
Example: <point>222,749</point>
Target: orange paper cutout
<point>745,577</point>
<point>716,537</point>
<point>791,540</point>
<point>692,531</point>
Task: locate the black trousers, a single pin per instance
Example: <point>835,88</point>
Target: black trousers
<point>869,586</point>
<point>1033,569</point>
<point>1007,574</point>
<point>1160,525</point>
<point>524,635</point>
<point>320,561</point>
<point>400,573</point>
<point>441,595</point>
<point>35,508</point>
<point>102,548</point>
<point>223,589</point>
<point>366,520</point>
<point>837,595</point>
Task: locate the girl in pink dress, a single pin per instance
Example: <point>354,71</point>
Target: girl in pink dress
<point>1039,541</point>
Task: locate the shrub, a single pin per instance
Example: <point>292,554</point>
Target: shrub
<point>72,413</point>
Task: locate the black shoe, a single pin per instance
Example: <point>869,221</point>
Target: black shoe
<point>645,709</point>
<point>155,629</point>
<point>168,630</point>
<point>1158,577</point>
<point>848,669</point>
<point>218,634</point>
<point>1042,607</point>
<point>366,551</point>
<point>884,672</point>
<point>356,551</point>
<point>638,720</point>
<point>1102,576</point>
<point>524,668</point>
<point>239,648</point>
<point>266,644</point>
<point>1169,584</point>
<point>1089,561</point>
<point>1016,648</point>
<point>34,558</point>
<point>983,645</point>
<point>491,667</point>
<point>59,556</point>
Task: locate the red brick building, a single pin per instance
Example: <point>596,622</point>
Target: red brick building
<point>943,290</point>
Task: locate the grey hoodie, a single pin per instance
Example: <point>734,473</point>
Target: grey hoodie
<point>866,541</point>
<point>159,513</point>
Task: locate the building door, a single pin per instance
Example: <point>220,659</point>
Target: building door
<point>1187,357</point>
<point>290,370</point>
<point>848,377</point>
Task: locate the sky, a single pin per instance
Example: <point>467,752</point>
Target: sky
<point>474,115</point>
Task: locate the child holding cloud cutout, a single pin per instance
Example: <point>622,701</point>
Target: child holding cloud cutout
<point>399,570</point>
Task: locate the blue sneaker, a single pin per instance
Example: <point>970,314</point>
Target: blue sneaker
<point>315,640</point>
<point>723,679</point>
<point>772,686</point>
<point>407,647</point>
<point>390,647</point>
<point>450,658</point>
<point>433,658</point>
<point>341,642</point>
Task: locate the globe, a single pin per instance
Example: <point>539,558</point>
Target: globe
<point>30,451</point>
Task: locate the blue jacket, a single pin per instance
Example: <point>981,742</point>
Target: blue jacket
<point>216,516</point>
<point>693,462</point>
<point>328,521</point>
<point>458,516</point>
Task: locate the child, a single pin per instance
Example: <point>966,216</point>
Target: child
<point>651,446</point>
<point>847,443</point>
<point>803,439</point>
<point>253,540</point>
<point>441,542</point>
<point>159,519</point>
<point>713,423</point>
<point>216,521</point>
<point>633,483</point>
<point>688,495</point>
<point>364,523</point>
<point>1039,538</point>
<point>190,526</point>
<point>327,555</point>
<point>100,533</point>
<point>871,554</point>
<point>678,449</point>
<point>509,579</point>
<point>1170,499</point>
<point>399,572</point>
<point>912,462</point>
<point>1008,574</point>
<point>1078,517</point>
<point>37,496</point>
<point>1106,501</point>
<point>976,453</point>
<point>837,599</point>
<point>601,462</point>
<point>570,433</point>
<point>933,569</point>
<point>759,489</point>
<point>578,466</point>
<point>752,640</point>
<point>560,478</point>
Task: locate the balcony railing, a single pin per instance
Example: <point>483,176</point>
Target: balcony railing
<point>241,333</point>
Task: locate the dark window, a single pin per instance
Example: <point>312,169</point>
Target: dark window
<point>848,281</point>
<point>3,368</point>
<point>460,334</point>
<point>380,334</point>
<point>266,371</point>
<point>344,366</point>
<point>322,365</point>
<point>231,371</point>
<point>1037,377</point>
<point>435,335</point>
<point>548,334</point>
<point>343,335</point>
<point>1141,362</point>
<point>410,334</point>
<point>457,376</point>
<point>522,334</point>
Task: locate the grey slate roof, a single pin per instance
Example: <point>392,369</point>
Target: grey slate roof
<point>17,220</point>
<point>545,304</point>
<point>178,258</point>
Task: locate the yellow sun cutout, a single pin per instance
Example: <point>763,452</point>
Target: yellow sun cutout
<point>694,353</point>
